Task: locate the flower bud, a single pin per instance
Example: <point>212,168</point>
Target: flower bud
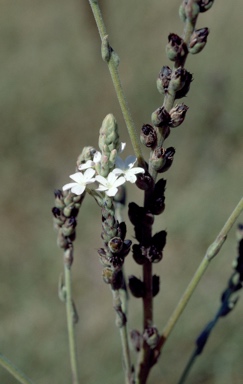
<point>168,159</point>
<point>157,158</point>
<point>69,226</point>
<point>86,154</point>
<point>115,244</point>
<point>137,287</point>
<point>160,117</point>
<point>182,12</point>
<point>205,5</point>
<point>198,40</point>
<point>176,48</point>
<point>192,10</point>
<point>155,285</point>
<point>177,115</point>
<point>157,201</point>
<point>148,135</point>
<point>164,79</point>
<point>151,336</point>
<point>144,181</point>
<point>109,137</point>
<point>138,255</point>
<point>59,203</point>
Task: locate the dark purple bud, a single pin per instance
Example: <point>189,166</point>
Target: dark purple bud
<point>205,5</point>
<point>56,212</point>
<point>177,115</point>
<point>144,181</point>
<point>160,117</point>
<point>148,135</point>
<point>176,48</point>
<point>154,255</point>
<point>137,287</point>
<point>138,255</point>
<point>159,240</point>
<point>168,159</point>
<point>122,230</point>
<point>59,203</point>
<point>155,285</point>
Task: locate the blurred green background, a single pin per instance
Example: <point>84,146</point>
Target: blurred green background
<point>54,92</point>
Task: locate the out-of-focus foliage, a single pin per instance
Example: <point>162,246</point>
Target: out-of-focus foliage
<point>54,93</point>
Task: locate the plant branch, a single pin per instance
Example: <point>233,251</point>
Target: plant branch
<point>70,314</point>
<point>14,371</point>
<point>210,254</point>
<point>112,65</point>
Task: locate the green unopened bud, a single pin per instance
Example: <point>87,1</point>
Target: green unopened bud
<point>67,211</point>
<point>192,10</point>
<point>164,79</point>
<point>148,135</point>
<point>176,48</point>
<point>157,158</point>
<point>109,135</point>
<point>69,226</point>
<point>177,115</point>
<point>59,199</point>
<point>180,82</point>
<point>160,117</point>
<point>182,12</point>
<point>115,58</point>
<point>198,40</point>
<point>205,5</point>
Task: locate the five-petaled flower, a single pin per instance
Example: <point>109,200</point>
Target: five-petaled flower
<point>110,184</point>
<point>81,180</point>
<point>126,169</point>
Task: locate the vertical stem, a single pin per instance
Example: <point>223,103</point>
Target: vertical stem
<point>70,316</point>
<point>118,86</point>
<point>14,371</point>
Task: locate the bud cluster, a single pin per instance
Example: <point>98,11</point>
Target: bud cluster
<point>65,213</point>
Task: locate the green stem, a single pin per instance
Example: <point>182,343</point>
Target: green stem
<point>14,371</point>
<point>121,322</point>
<point>112,65</point>
<point>70,315</point>
<point>210,254</point>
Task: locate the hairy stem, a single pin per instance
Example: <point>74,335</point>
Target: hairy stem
<point>212,251</point>
<point>70,315</point>
<point>14,371</point>
<point>118,86</point>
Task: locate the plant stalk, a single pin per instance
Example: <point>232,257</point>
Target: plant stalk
<point>14,371</point>
<point>212,251</point>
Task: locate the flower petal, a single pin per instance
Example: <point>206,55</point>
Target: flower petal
<point>130,161</point>
<point>88,174</point>
<point>88,164</point>
<point>101,179</point>
<point>68,186</point>
<point>121,180</point>
<point>78,189</point>
<point>112,191</point>
<point>78,177</point>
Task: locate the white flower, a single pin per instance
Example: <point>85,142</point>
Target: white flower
<point>81,180</point>
<point>91,163</point>
<point>111,184</point>
<point>126,169</point>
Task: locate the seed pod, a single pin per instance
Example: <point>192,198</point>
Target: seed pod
<point>115,244</point>
<point>160,117</point>
<point>164,79</point>
<point>137,287</point>
<point>168,159</point>
<point>176,48</point>
<point>138,256</point>
<point>177,115</point>
<point>205,5</point>
<point>198,40</point>
<point>148,136</point>
<point>151,336</point>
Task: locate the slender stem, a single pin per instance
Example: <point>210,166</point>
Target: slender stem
<point>14,371</point>
<point>118,86</point>
<point>70,315</point>
<point>121,322</point>
<point>210,254</point>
